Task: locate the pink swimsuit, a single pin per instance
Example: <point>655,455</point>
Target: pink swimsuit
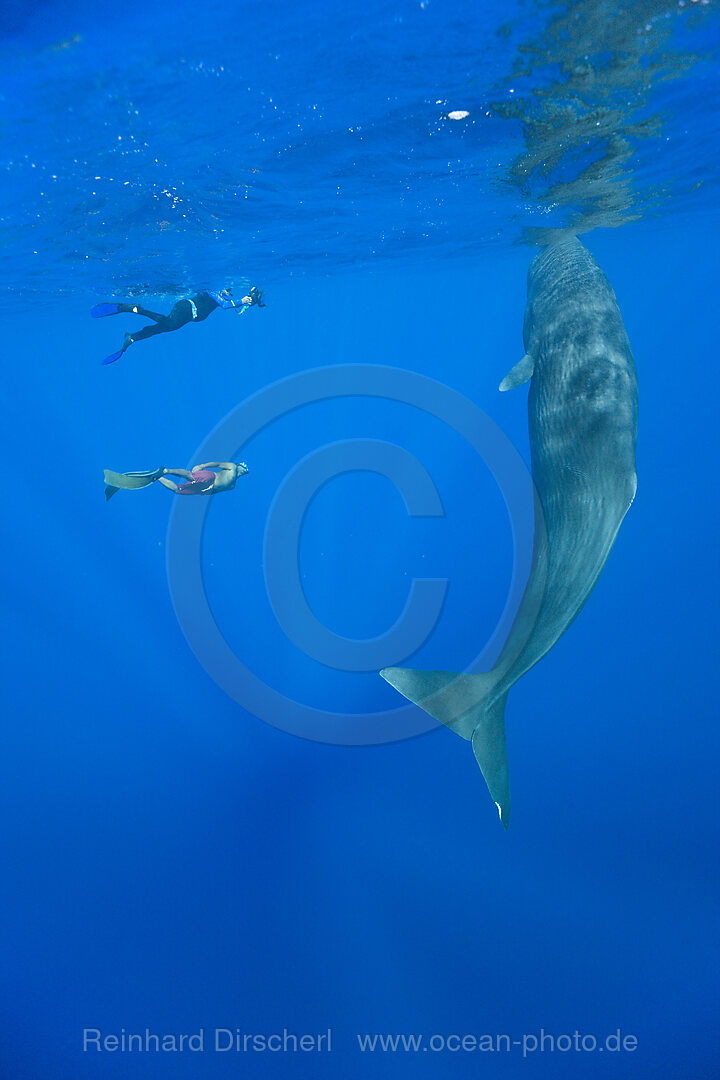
<point>201,483</point>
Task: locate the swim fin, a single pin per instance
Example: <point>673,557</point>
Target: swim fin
<point>113,357</point>
<point>101,310</point>
<point>129,481</point>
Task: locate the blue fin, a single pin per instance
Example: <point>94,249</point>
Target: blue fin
<point>113,357</point>
<point>104,309</point>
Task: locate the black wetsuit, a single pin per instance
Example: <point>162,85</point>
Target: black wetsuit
<point>196,309</point>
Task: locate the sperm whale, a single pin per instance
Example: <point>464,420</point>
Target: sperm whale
<point>582,420</point>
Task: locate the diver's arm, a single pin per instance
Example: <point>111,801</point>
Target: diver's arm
<point>217,465</point>
<point>227,302</point>
<point>223,301</point>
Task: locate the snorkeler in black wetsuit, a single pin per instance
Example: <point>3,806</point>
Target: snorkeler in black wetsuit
<point>195,309</point>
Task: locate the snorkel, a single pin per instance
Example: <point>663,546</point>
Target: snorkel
<point>252,299</point>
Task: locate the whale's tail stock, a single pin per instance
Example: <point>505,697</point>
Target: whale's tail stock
<point>466,705</point>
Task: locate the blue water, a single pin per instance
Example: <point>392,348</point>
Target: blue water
<point>173,862</point>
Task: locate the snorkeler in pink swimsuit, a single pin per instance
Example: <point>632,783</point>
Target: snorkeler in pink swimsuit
<point>202,480</point>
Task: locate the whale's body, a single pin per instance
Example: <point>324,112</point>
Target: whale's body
<point>582,418</point>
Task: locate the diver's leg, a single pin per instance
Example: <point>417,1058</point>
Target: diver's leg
<point>149,331</point>
<point>169,484</point>
<point>181,313</point>
<point>137,310</point>
<point>184,473</point>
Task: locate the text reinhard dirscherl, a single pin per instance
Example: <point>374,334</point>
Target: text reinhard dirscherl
<point>221,1040</point>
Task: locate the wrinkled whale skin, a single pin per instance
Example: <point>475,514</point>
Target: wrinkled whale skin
<point>582,420</point>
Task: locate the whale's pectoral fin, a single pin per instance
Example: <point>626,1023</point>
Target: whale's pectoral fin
<point>519,374</point>
<point>461,702</point>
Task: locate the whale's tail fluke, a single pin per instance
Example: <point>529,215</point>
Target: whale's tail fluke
<point>466,705</point>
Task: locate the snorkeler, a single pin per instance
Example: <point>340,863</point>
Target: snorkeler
<point>195,309</point>
<point>201,480</point>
